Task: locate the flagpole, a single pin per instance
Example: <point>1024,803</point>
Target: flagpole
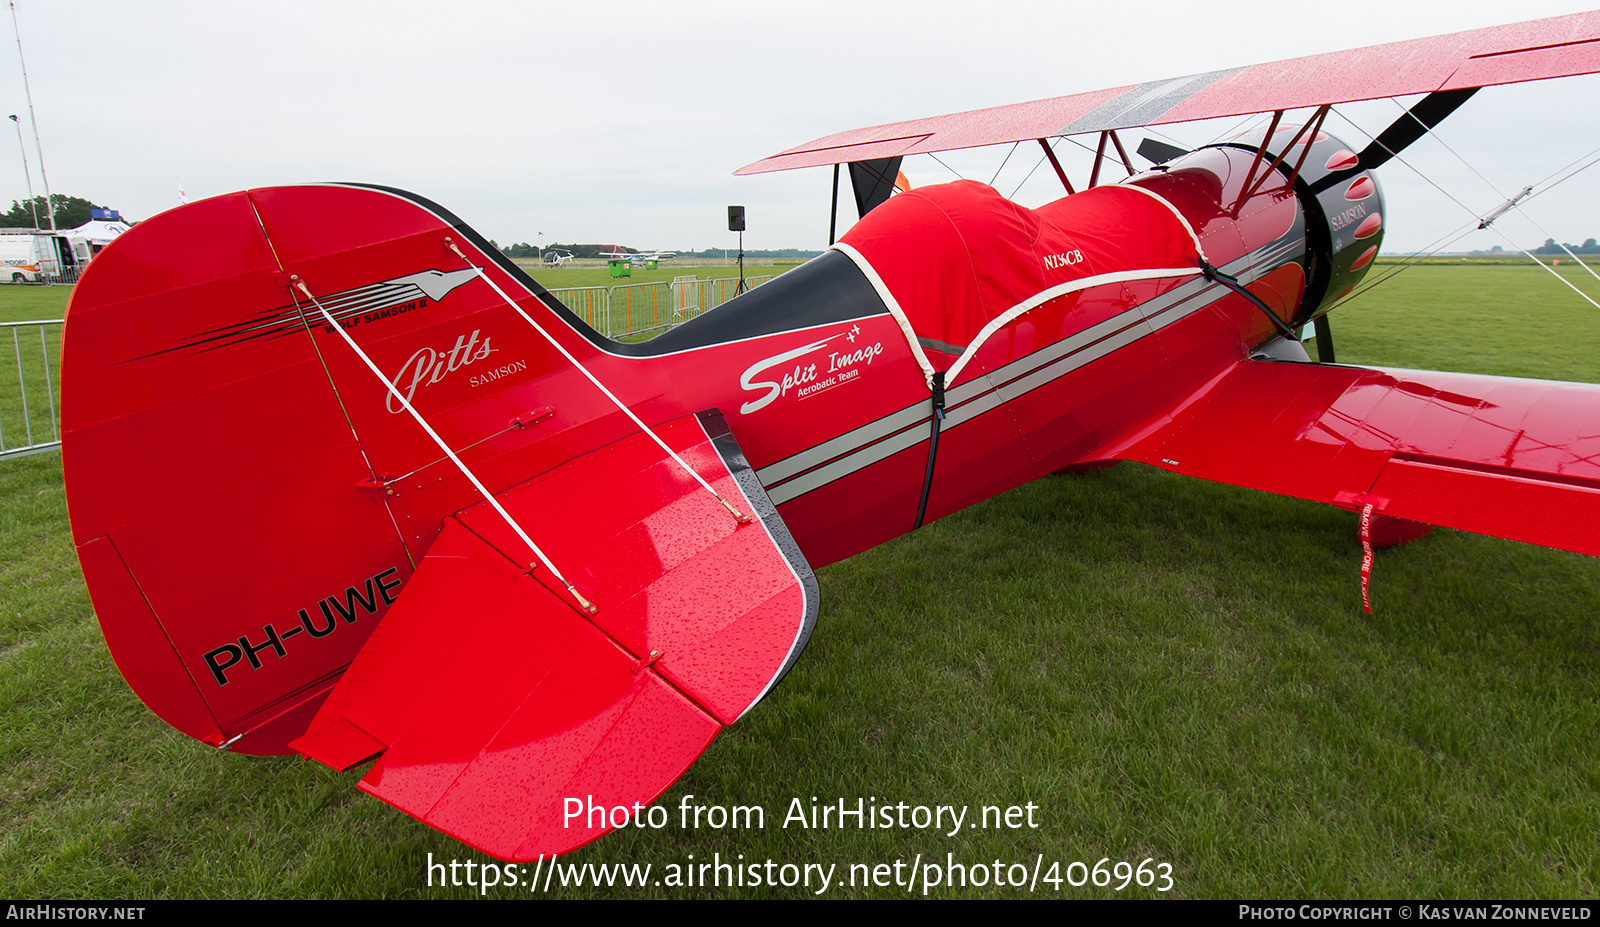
<point>49,205</point>
<point>27,174</point>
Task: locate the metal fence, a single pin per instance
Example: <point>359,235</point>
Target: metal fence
<point>589,303</point>
<point>28,423</point>
<point>631,309</point>
<point>46,277</point>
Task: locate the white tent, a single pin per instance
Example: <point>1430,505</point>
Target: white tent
<point>97,232</point>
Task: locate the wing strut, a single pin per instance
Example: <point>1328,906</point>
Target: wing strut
<point>1272,129</point>
<point>1100,152</point>
<point>1050,153</point>
<point>1324,334</point>
<point>1308,132</point>
<point>833,209</point>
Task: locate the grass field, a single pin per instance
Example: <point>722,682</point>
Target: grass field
<point>570,276</point>
<point>1167,669</point>
<point>641,306</point>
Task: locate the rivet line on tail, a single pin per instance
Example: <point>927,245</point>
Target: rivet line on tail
<point>577,596</point>
<point>740,517</point>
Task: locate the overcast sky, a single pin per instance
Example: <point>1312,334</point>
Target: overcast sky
<point>623,122</point>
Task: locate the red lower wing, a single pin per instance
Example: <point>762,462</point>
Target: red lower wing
<point>1518,459</point>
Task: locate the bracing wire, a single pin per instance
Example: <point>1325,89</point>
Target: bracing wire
<point>947,167</point>
<point>405,403</point>
<point>1510,202</point>
<point>1026,179</point>
<point>1395,156</point>
<point>618,403</point>
<point>1003,163</point>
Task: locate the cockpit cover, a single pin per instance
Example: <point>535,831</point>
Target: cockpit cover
<point>956,262</point>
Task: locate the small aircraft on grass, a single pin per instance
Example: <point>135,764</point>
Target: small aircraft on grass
<point>345,482</point>
<point>636,258</point>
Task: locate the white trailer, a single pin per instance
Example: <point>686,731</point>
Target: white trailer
<point>35,255</point>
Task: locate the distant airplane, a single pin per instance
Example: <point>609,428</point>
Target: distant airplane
<point>635,257</point>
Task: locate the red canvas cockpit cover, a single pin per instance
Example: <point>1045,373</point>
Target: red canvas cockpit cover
<point>957,256</point>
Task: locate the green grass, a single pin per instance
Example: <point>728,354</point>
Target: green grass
<point>1169,669</point>
<point>20,302</point>
<point>641,306</point>
<point>1512,320</point>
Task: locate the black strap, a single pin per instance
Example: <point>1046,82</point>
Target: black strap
<point>933,446</point>
<point>1216,276</point>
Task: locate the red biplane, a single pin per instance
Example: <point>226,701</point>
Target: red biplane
<point>345,481</point>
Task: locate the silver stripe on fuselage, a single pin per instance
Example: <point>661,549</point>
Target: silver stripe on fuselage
<point>955,398</point>
<point>876,440</point>
<point>844,466</point>
<point>841,445</point>
<point>982,395</point>
<point>1045,375</point>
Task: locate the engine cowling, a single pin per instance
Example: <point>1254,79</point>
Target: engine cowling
<point>1344,212</point>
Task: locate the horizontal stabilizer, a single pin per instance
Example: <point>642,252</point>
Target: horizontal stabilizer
<point>504,714</point>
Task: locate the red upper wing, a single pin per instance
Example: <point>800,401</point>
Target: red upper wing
<point>1558,47</point>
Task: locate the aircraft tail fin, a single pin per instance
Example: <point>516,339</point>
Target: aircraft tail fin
<point>247,495</point>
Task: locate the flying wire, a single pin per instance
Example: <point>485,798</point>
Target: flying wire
<point>945,166</point>
<point>1100,155</point>
<point>1591,154</point>
<point>1079,144</point>
<point>1394,155</point>
<point>1238,127</point>
<point>1155,131</point>
<point>1511,202</point>
<point>1003,163</point>
<point>1027,178</point>
<point>1416,257</point>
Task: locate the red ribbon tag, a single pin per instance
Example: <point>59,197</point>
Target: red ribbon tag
<point>1366,556</point>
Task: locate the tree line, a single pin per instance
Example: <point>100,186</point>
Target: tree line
<point>70,212</point>
<point>1550,247</point>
